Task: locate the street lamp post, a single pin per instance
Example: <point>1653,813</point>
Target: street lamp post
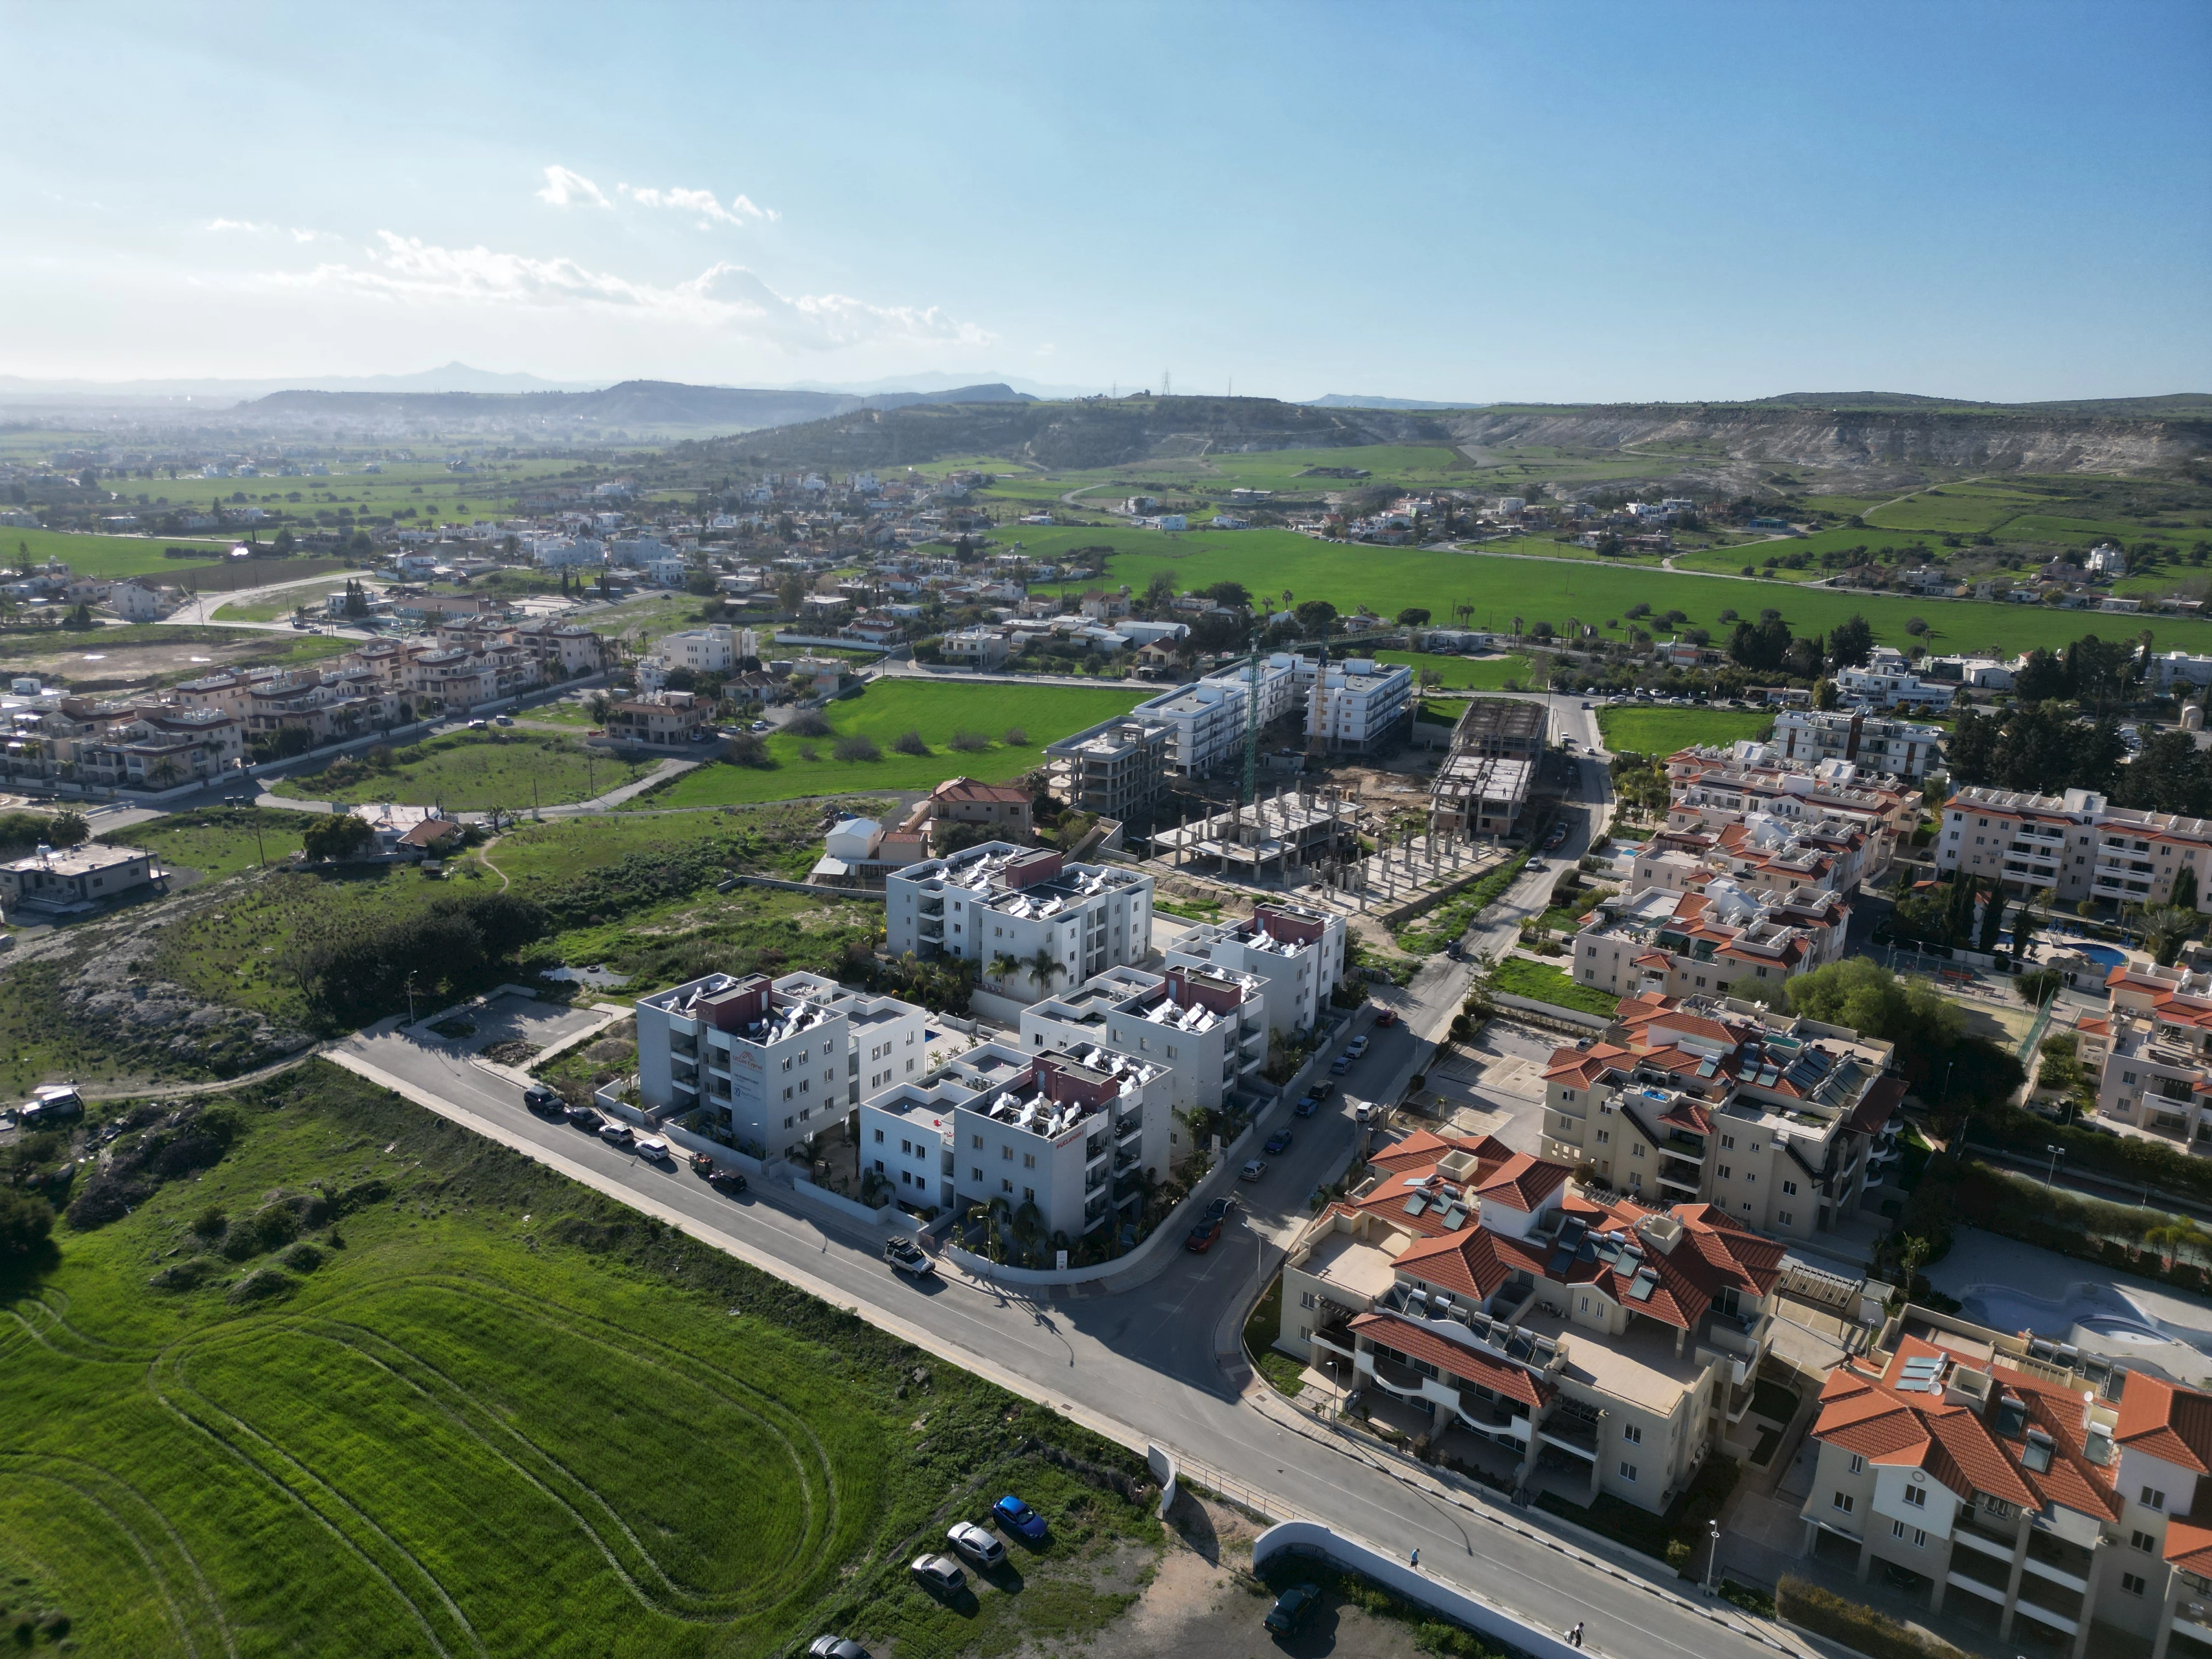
<point>2051,1175</point>
<point>1713,1556</point>
<point>410,999</point>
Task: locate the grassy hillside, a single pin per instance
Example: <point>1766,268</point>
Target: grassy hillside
<point>372,1385</point>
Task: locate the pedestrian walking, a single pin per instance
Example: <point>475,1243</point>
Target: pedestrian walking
<point>1575,1635</point>
<point>1417,1560</point>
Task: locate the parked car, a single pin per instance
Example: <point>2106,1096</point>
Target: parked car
<point>1016,1516</point>
<point>502,719</point>
<point>1323,1089</point>
<point>1385,1018</point>
<point>978,1544</point>
<point>652,1147</point>
<point>583,1117</point>
<point>1201,1238</point>
<point>836,1647</point>
<point>1307,1106</point>
<point>479,725</point>
<point>541,1100</point>
<point>1278,1143</point>
<point>617,1135</point>
<point>760,725</point>
<point>908,1257</point>
<point>1356,1046</point>
<point>940,1573</point>
<point>728,1183</point>
<point>1292,1609</point>
<point>1222,1208</point>
<point>1253,1170</point>
<point>1341,1065</point>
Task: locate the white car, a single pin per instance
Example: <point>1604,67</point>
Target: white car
<point>617,1133</point>
<point>978,1544</point>
<point>1253,1170</point>
<point>1357,1046</point>
<point>652,1147</point>
<point>940,1573</point>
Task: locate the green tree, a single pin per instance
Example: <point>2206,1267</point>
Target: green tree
<point>2184,887</point>
<point>1824,694</point>
<point>1850,642</point>
<point>68,829</point>
<point>1860,993</point>
<point>26,1225</point>
<point>1316,618</point>
<point>1412,617</point>
<point>338,836</point>
<point>1047,968</point>
<point>2166,930</point>
<point>1993,910</point>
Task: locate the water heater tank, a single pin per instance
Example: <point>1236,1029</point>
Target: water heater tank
<point>2192,717</point>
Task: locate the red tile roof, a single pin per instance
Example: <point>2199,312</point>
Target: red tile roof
<point>1470,1364</point>
<point>1522,1183</point>
<point>2170,1423</point>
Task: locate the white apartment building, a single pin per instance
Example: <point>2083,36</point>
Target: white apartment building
<point>1563,1341</point>
<point>1760,851</point>
<point>1711,788</point>
<point>1903,749</point>
<point>2073,846</point>
<point>1205,719</point>
<point>2152,1054</point>
<point>2011,1481</point>
<point>1889,681</point>
<point>1725,939</point>
<point>772,1062</point>
<point>1002,907</point>
<point>1357,705</point>
<point>1782,1124</point>
<point>1208,1026</point>
<point>717,648</point>
<point>1070,1133</point>
<point>2177,670</point>
<point>1296,953</point>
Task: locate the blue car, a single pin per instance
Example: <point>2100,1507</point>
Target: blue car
<point>1278,1142</point>
<point>1016,1516</point>
<point>1307,1106</point>
<point>1341,1065</point>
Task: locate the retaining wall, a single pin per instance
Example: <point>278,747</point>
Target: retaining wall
<point>1550,1011</point>
<point>1312,1541</point>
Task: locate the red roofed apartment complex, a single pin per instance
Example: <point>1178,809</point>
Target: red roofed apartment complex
<point>1559,1343</point>
<point>2073,846</point>
<point>1783,1124</point>
<point>2019,1484</point>
<point>1722,939</point>
<point>2152,1055</point>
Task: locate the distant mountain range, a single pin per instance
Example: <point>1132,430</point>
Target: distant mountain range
<point>1347,400</point>
<point>453,377</point>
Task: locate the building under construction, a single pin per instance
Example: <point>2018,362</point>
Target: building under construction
<point>1294,829</point>
<point>1483,786</point>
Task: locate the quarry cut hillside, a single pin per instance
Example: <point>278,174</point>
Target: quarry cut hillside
<point>1095,432</point>
<point>1902,442</point>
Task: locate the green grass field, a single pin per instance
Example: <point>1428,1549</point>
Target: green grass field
<point>473,772</point>
<point>481,1410</point>
<point>1541,981</point>
<point>1044,714</point>
<point>1388,579</point>
<point>283,604</point>
<point>218,840</point>
<point>111,555</point>
<point>1463,673</point>
<point>1663,730</point>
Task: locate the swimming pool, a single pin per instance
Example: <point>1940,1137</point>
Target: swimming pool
<point>2103,953</point>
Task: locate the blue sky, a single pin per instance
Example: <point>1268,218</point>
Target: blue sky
<point>1557,202</point>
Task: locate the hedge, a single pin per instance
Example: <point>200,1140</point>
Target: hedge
<point>1825,1613</point>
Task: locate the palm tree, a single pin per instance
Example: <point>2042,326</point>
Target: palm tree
<point>2177,1234</point>
<point>1002,968</point>
<point>164,772</point>
<point>1046,968</point>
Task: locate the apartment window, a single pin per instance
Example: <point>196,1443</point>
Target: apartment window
<point>1628,1473</point>
<point>1790,1189</point>
<point>907,1146</point>
<point>879,1138</point>
<point>1916,1497</point>
<point>1784,1217</point>
<point>2132,1583</point>
<point>1637,1151</point>
<point>1858,1464</point>
<point>1721,1170</point>
<point>2152,1498</point>
<point>787,1123</point>
<point>1727,1143</point>
<point>1029,1160</point>
<point>1845,1503</point>
<point>1604,1136</point>
<point>1006,1155</point>
<point>787,1094</point>
<point>976,1175</point>
<point>1633,1433</point>
<point>1006,1186</point>
<point>1306,1300</point>
<point>787,1062</point>
<point>1748,1177</point>
<point>977,1141</point>
<point>2144,1542</point>
<point>2127,1077</point>
<point>1029,1195</point>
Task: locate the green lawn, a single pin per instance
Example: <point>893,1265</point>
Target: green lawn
<point>1463,673</point>
<point>279,605</point>
<point>480,1409</point>
<point>473,772</point>
<point>1663,730</point>
<point>111,556</point>
<point>1540,982</point>
<point>218,840</point>
<point>886,709</point>
<point>1388,579</point>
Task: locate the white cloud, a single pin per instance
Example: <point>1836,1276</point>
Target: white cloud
<point>301,235</point>
<point>567,189</point>
<point>702,203</point>
<point>407,270</point>
<point>239,224</point>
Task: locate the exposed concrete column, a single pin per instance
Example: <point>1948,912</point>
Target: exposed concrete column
<point>2088,1603</point>
<point>1942,1576</point>
<point>1865,1570</point>
<point>2012,1583</point>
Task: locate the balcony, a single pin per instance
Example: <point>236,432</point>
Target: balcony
<point>1674,1172</point>
<point>2061,1563</point>
<point>1997,1538</point>
<point>1129,1128</point>
<point>1689,1147</point>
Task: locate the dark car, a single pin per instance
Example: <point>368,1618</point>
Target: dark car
<point>1292,1607</point>
<point>542,1100</point>
<point>1277,1142</point>
<point>1202,1237</point>
<point>1341,1065</point>
<point>835,1647</point>
<point>1323,1090</point>
<point>728,1183</point>
<point>1307,1106</point>
<point>1385,1018</point>
<point>584,1117</point>
<point>1018,1517</point>
<point>1218,1210</point>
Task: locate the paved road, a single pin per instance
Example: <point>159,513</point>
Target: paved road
<point>1155,1361</point>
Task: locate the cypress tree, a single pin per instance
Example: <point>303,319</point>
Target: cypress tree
<point>1993,920</point>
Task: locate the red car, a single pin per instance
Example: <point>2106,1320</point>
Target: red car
<point>1385,1019</point>
<point>1203,1235</point>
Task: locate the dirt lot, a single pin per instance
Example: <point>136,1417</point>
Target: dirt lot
<point>84,663</point>
<point>1202,1604</point>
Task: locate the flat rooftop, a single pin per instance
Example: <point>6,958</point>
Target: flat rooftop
<point>1361,1266</point>
<point>84,859</point>
<point>1640,1367</point>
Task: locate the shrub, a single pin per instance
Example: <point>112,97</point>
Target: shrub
<point>1017,737</point>
<point>969,743</point>
<point>27,1224</point>
<point>910,742</point>
<point>1678,1555</point>
<point>302,1258</point>
<point>262,1284</point>
<point>186,1275</point>
<point>1825,1613</point>
<point>857,746</point>
<point>808,723</point>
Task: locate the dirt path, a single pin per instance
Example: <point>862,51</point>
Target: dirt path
<point>484,857</point>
